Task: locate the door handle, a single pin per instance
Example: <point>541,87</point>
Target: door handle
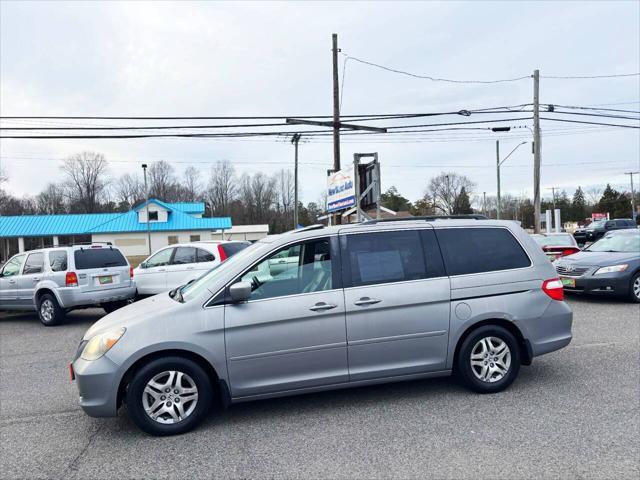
<point>190,268</point>
<point>36,279</point>
<point>162,270</point>
<point>321,306</point>
<point>366,301</point>
<point>12,282</point>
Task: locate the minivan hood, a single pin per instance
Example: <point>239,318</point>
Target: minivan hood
<point>133,314</point>
<point>599,259</point>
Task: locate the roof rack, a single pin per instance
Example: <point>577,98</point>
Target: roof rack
<point>317,226</point>
<point>428,218</point>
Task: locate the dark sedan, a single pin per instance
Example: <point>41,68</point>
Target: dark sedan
<point>611,266</point>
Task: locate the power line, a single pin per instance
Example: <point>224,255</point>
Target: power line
<point>429,77</point>
<point>587,123</point>
<point>581,77</point>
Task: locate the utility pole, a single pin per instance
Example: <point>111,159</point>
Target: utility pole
<point>536,150</point>
<point>336,106</point>
<point>484,203</point>
<point>498,177</point>
<point>146,189</point>
<point>634,213</point>
<point>553,194</point>
<point>295,139</point>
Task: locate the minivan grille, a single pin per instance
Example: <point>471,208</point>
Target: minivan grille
<point>571,271</point>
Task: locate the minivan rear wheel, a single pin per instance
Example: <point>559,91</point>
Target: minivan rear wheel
<point>169,396</point>
<point>50,312</point>
<point>489,359</point>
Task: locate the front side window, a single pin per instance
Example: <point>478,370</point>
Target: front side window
<point>34,264</point>
<point>184,255</point>
<point>384,257</point>
<point>476,250</point>
<point>58,260</point>
<point>299,268</point>
<point>160,259</point>
<point>12,267</point>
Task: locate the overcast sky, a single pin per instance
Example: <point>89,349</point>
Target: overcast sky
<point>268,58</point>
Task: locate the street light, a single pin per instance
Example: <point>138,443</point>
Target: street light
<point>498,164</point>
<point>144,170</point>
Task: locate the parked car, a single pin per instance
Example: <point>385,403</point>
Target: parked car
<point>596,230</point>
<point>580,235</point>
<point>178,264</point>
<point>53,281</point>
<point>377,302</point>
<point>556,245</point>
<point>610,266</point>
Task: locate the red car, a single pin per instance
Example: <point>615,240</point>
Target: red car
<point>556,245</point>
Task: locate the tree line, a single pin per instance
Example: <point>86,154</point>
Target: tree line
<point>87,187</point>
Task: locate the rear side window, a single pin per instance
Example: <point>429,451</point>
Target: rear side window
<point>384,257</point>
<point>58,260</point>
<point>232,248</point>
<point>476,250</point>
<point>204,256</point>
<point>34,264</point>
<point>184,255</point>
<point>89,258</point>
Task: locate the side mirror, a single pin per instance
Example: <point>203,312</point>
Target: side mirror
<point>143,265</point>
<point>240,292</point>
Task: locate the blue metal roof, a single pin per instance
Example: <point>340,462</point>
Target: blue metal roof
<point>78,224</point>
<point>188,207</point>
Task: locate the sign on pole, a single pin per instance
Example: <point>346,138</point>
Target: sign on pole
<point>340,190</point>
<point>599,216</point>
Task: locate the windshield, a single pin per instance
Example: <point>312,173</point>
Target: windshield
<point>194,289</point>
<point>598,224</point>
<point>554,240</point>
<point>628,242</point>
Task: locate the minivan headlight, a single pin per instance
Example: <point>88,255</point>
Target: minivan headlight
<point>612,269</point>
<point>101,344</point>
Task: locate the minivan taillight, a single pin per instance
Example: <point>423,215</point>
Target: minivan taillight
<point>71,280</point>
<point>130,271</point>
<point>222,253</point>
<point>553,287</point>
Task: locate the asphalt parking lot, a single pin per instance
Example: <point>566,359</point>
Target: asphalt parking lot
<point>573,413</point>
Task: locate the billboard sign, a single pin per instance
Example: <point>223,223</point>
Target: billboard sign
<point>599,216</point>
<point>341,192</point>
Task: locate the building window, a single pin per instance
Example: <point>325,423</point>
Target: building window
<point>172,239</point>
<point>74,240</point>
<point>153,216</point>
<point>194,238</point>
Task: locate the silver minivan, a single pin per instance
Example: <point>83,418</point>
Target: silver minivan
<point>376,302</point>
<point>53,281</point>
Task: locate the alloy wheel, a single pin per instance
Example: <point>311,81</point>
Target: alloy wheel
<point>636,288</point>
<point>490,359</point>
<point>170,397</point>
<point>46,310</point>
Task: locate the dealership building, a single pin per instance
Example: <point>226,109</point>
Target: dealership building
<point>167,223</point>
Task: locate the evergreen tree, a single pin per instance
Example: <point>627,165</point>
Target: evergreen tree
<point>392,200</point>
<point>578,206</point>
<point>462,204</point>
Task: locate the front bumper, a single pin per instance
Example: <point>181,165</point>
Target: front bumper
<point>609,284</point>
<point>98,383</point>
<point>75,297</point>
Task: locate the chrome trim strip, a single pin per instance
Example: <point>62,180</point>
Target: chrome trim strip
<point>407,336</point>
<point>289,351</point>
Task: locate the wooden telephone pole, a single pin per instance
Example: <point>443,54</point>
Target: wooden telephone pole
<point>336,105</point>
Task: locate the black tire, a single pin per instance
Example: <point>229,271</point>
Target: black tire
<point>465,371</point>
<point>635,298</point>
<point>50,312</point>
<point>135,406</point>
<point>113,306</point>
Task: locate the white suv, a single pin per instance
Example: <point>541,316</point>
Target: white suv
<point>178,264</point>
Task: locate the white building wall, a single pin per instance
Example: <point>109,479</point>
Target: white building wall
<point>162,213</point>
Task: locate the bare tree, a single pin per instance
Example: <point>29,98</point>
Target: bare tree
<point>85,180</point>
<point>221,189</point>
<point>445,190</point>
<point>593,194</point>
<point>162,181</point>
<point>129,189</point>
<point>192,185</point>
<point>51,200</point>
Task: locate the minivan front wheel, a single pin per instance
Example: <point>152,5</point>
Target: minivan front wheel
<point>169,396</point>
<point>50,312</point>
<point>489,359</point>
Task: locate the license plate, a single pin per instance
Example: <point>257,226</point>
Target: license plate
<point>568,282</point>
<point>105,280</point>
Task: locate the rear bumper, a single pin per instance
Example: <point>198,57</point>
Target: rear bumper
<point>551,331</point>
<point>75,297</point>
<point>97,386</point>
